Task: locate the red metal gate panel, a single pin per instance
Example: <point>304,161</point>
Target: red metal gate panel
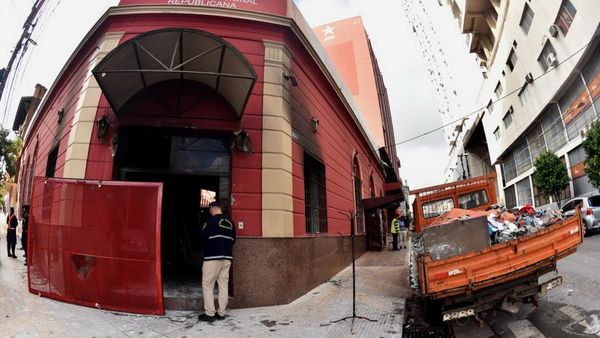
<point>97,244</point>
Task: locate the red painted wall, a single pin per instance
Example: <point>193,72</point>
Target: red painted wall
<point>334,143</point>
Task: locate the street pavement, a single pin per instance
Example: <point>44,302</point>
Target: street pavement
<point>571,310</point>
<point>381,289</point>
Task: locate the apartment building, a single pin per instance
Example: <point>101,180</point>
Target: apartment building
<point>541,64</point>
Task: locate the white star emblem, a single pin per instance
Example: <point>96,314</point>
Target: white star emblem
<point>328,30</point>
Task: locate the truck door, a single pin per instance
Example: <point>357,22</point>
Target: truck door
<point>97,244</point>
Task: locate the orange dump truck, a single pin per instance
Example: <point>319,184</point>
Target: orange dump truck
<point>457,271</point>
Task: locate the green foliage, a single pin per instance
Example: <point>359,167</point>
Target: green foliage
<point>551,176</point>
<point>592,149</point>
<point>9,153</point>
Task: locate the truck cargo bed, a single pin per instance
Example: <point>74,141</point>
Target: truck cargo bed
<point>499,263</point>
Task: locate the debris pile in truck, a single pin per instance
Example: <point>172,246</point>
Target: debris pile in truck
<point>504,226</point>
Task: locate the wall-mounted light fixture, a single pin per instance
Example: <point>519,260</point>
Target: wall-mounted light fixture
<point>103,125</point>
<point>60,114</point>
<point>290,77</point>
<point>314,123</point>
<point>242,141</point>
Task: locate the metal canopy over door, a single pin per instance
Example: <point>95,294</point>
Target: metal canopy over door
<point>97,244</point>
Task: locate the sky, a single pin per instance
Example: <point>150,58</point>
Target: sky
<point>412,97</point>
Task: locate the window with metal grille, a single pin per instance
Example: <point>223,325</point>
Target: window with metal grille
<point>526,19</point>
<point>512,59</point>
<point>315,195</point>
<point>509,170</point>
<point>566,14</point>
<point>522,158</point>
<point>51,163</point>
<point>536,142</point>
<point>510,197</point>
<point>554,130</point>
<point>524,192</point>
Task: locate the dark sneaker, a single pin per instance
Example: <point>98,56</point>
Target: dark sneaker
<point>206,318</point>
<point>219,317</point>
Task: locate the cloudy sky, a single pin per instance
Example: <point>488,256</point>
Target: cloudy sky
<point>412,96</point>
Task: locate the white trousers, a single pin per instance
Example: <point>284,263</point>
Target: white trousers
<point>215,271</point>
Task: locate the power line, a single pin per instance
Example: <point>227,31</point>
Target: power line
<point>497,100</point>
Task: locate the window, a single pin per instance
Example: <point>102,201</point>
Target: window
<point>490,106</point>
<point>497,133</point>
<point>512,59</point>
<point>510,197</point>
<point>472,199</point>
<point>315,195</point>
<point>524,192</point>
<point>569,206</point>
<point>498,89</point>
<point>554,130</point>
<point>565,16</point>
<point>507,119</point>
<point>547,58</point>
<point>508,168</point>
<point>436,208</point>
<point>522,158</point>
<point>576,107</point>
<point>591,74</point>
<point>51,163</point>
<point>526,19</point>
<point>594,201</point>
<point>536,142</point>
<point>524,94</point>
<point>539,197</point>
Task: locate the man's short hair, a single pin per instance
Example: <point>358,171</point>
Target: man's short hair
<point>214,204</point>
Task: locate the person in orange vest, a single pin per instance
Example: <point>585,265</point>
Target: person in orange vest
<point>11,234</point>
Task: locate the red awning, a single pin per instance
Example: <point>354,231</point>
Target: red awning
<point>382,202</point>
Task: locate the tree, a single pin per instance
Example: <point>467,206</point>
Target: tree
<point>592,149</point>
<point>551,175</point>
<point>9,154</point>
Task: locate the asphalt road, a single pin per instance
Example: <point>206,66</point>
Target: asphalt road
<point>571,310</point>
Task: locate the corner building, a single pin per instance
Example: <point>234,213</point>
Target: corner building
<point>166,105</point>
<point>544,56</point>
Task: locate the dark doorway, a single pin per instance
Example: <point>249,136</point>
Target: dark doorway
<point>194,169</point>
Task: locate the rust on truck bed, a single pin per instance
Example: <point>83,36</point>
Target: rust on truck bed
<point>500,263</point>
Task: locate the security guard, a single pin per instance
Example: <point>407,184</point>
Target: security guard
<point>395,229</point>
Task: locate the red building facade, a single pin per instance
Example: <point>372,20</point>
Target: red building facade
<point>167,103</point>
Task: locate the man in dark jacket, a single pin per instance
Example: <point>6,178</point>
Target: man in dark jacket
<point>218,237</point>
<point>11,233</point>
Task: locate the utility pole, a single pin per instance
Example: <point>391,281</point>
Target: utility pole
<point>22,44</point>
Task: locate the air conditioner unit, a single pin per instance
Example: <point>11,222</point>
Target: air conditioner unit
<point>529,78</point>
<point>551,59</point>
<point>553,30</point>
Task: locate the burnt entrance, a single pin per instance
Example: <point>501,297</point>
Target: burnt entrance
<point>194,168</point>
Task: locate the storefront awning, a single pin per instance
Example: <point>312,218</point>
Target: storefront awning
<point>383,202</point>
<point>172,55</point>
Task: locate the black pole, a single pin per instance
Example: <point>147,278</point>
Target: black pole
<point>351,217</point>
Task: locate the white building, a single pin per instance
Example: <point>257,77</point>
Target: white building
<point>541,61</point>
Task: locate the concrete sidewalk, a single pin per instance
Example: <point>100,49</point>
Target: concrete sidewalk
<point>381,289</point>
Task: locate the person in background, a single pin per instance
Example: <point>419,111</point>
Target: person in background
<point>218,237</point>
<point>25,230</point>
<point>403,228</point>
<point>11,234</point>
<point>395,229</point>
